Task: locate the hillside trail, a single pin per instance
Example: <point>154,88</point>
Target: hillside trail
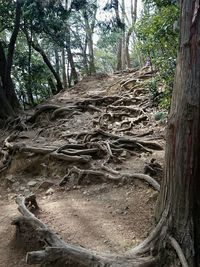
<point>84,153</point>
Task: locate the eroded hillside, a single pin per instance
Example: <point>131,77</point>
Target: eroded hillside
<point>93,157</point>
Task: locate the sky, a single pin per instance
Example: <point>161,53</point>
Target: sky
<point>102,15</point>
<point>102,3</point>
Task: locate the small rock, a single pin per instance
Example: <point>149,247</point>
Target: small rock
<point>32,183</point>
<point>10,178</point>
<point>16,184</point>
<point>50,191</point>
<point>22,188</point>
<point>118,211</point>
<point>46,184</point>
<point>153,197</point>
<point>124,154</point>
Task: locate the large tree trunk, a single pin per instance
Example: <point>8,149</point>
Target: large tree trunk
<point>180,191</point>
<point>8,84</point>
<point>8,98</point>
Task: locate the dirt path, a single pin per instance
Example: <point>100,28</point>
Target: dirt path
<point>98,217</point>
<point>88,209</point>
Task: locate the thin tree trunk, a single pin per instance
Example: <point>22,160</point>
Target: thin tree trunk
<point>91,54</point>
<point>89,28</point>
<point>119,55</point>
<point>64,75</point>
<point>57,61</point>
<point>37,48</point>
<point>130,31</point>
<point>123,52</point>
<point>74,74</point>
<point>180,191</point>
<point>29,85</point>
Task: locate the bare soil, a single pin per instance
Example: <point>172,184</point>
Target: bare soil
<point>99,215</point>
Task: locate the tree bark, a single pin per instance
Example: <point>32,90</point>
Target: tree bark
<point>120,43</point>
<point>180,191</point>
<point>74,74</point>
<point>64,75</point>
<point>89,29</point>
<point>57,61</point>
<point>29,85</point>
<point>130,31</point>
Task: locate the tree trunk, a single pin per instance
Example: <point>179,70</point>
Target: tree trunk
<point>7,83</point>
<point>37,47</point>
<point>5,109</point>
<point>74,74</point>
<point>57,61</point>
<point>89,29</point>
<point>123,52</point>
<point>180,191</point>
<point>130,31</point>
<point>64,75</point>
<point>91,54</point>
<point>120,44</point>
<point>29,85</point>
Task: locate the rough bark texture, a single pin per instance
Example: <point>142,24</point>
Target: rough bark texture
<point>8,98</point>
<point>180,192</point>
<point>8,84</point>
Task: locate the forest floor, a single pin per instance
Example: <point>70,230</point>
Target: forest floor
<point>84,153</point>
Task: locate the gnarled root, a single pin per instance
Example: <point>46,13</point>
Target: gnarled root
<point>58,250</point>
<point>117,177</point>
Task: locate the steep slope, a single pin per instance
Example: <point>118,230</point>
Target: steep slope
<point>85,154</point>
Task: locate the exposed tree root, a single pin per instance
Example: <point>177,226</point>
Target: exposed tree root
<point>131,123</point>
<point>39,111</point>
<point>129,109</point>
<point>117,177</point>
<point>62,110</point>
<point>58,250</point>
<point>126,139</point>
<point>52,152</point>
<point>179,251</point>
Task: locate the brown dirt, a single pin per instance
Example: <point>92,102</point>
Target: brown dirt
<point>99,216</point>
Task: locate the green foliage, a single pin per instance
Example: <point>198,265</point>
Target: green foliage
<point>39,74</point>
<point>158,41</point>
<point>105,53</point>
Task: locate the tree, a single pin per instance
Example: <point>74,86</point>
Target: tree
<point>130,31</point>
<point>178,211</point>
<point>157,39</point>
<point>180,193</point>
<point>9,101</point>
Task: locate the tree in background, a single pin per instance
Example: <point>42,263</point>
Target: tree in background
<point>157,39</point>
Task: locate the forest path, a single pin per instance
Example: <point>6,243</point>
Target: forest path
<point>91,121</point>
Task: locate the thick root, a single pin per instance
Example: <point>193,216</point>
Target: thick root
<point>58,250</point>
